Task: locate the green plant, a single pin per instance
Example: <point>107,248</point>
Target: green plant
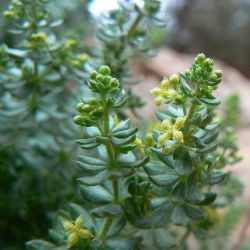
<point>36,94</point>
<point>146,197</point>
<point>123,34</point>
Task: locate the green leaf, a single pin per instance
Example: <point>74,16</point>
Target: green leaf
<point>107,211</point>
<point>117,225</point>
<point>91,160</point>
<point>193,194</point>
<point>167,159</point>
<point>209,198</point>
<point>164,179</point>
<point>178,216</point>
<point>123,125</point>
<point>40,245</point>
<point>185,88</point>
<point>96,194</point>
<point>121,142</point>
<point>163,239</point>
<point>161,216</point>
<point>213,102</point>
<point>178,192</point>
<point>90,169</point>
<point>121,100</point>
<point>94,180</point>
<point>183,165</point>
<point>216,176</point>
<point>125,133</point>
<point>154,168</point>
<point>135,164</point>
<point>193,212</point>
<point>123,243</point>
<point>16,52</point>
<point>162,116</point>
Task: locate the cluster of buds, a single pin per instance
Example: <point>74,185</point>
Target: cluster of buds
<point>102,82</point>
<point>38,40</point>
<point>171,131</point>
<point>75,231</point>
<point>202,73</point>
<point>15,10</point>
<point>164,93</point>
<point>90,111</point>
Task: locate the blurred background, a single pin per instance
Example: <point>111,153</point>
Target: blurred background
<point>218,28</point>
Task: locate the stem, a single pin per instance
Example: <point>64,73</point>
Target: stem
<point>183,239</point>
<point>34,86</point>
<point>134,25</point>
<point>189,116</point>
<point>105,228</point>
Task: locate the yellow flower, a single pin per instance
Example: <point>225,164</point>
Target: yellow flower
<point>139,145</point>
<point>171,131</point>
<point>76,231</point>
<point>163,93</point>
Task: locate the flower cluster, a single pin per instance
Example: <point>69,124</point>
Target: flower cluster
<point>164,93</point>
<point>76,231</point>
<point>171,131</point>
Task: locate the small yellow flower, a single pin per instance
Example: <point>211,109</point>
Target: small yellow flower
<point>163,93</point>
<point>116,120</point>
<point>76,231</point>
<point>171,131</point>
<point>139,145</point>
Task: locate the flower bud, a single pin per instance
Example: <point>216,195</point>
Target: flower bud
<point>164,137</point>
<point>165,83</point>
<point>187,73</point>
<point>68,226</point>
<point>79,107</point>
<point>87,108</point>
<point>114,83</point>
<point>104,70</point>
<point>178,136</point>
<point>92,101</point>
<point>218,73</point>
<point>166,124</point>
<point>72,239</point>
<point>180,122</point>
<point>79,222</point>
<point>78,120</point>
<point>8,14</point>
<point>84,233</point>
<point>200,58</point>
<point>156,91</point>
<point>166,149</point>
<point>159,100</point>
<point>208,62</point>
<point>99,77</point>
<point>174,80</point>
<point>93,75</point>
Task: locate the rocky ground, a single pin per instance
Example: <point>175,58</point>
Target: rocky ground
<point>169,62</point>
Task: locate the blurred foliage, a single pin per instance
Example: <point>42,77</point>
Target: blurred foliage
<point>219,28</point>
<point>39,74</point>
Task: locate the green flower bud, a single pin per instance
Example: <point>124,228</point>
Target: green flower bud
<point>213,78</point>
<point>79,107</point>
<point>78,120</point>
<point>178,136</point>
<point>92,101</point>
<point>114,83</point>
<point>93,75</point>
<point>208,62</point>
<point>152,6</point>
<point>174,80</point>
<point>218,73</point>
<point>187,73</point>
<point>8,14</point>
<point>99,77</point>
<point>104,70</point>
<point>200,58</point>
<point>87,108</point>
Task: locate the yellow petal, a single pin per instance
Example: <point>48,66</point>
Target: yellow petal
<point>79,222</point>
<point>84,233</point>
<point>72,239</point>
<point>156,91</point>
<point>166,124</point>
<point>178,136</point>
<point>180,122</point>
